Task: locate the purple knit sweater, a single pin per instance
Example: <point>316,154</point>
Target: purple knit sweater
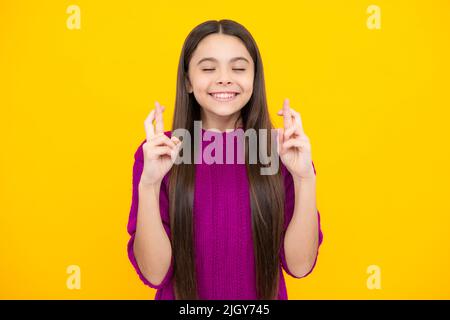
<point>224,253</point>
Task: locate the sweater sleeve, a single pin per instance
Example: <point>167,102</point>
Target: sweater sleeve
<point>132,220</point>
<point>289,211</point>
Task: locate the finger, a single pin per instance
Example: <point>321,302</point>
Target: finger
<point>280,139</point>
<point>159,118</point>
<point>287,118</point>
<point>162,140</point>
<point>298,120</point>
<point>175,152</point>
<point>293,143</point>
<point>162,150</point>
<point>175,140</point>
<point>149,129</point>
<point>294,129</point>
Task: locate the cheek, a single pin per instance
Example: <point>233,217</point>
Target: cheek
<point>247,86</point>
<point>201,83</point>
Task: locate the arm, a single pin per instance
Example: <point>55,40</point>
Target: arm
<point>301,240</point>
<point>152,246</point>
<point>147,217</point>
<point>303,235</point>
<point>149,248</point>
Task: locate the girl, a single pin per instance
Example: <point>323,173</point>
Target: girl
<point>222,231</point>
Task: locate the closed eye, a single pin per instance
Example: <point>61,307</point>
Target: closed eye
<point>214,69</point>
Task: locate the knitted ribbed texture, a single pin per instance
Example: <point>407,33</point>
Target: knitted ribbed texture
<point>224,253</point>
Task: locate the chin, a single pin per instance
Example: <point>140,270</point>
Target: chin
<point>222,113</point>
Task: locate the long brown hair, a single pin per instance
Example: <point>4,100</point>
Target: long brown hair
<point>266,191</point>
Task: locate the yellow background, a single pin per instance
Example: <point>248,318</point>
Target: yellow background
<point>375,104</point>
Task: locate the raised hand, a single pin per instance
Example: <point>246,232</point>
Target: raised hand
<point>294,146</point>
<point>160,152</point>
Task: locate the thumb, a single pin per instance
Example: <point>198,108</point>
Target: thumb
<point>177,147</point>
<point>176,141</point>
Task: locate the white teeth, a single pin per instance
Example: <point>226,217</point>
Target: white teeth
<point>224,96</point>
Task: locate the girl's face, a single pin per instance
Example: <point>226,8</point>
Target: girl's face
<point>221,73</point>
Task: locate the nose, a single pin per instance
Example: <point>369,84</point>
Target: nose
<point>226,82</point>
<point>224,79</point>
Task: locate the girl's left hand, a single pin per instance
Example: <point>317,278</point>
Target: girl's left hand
<point>294,147</point>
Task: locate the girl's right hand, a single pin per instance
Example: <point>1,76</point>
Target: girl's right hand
<point>160,152</point>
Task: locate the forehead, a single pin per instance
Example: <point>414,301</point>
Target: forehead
<point>221,47</point>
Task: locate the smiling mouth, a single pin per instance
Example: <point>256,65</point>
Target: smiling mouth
<point>224,97</point>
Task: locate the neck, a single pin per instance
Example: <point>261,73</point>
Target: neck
<point>221,123</point>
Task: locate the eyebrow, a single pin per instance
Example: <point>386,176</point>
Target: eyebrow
<point>215,60</point>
